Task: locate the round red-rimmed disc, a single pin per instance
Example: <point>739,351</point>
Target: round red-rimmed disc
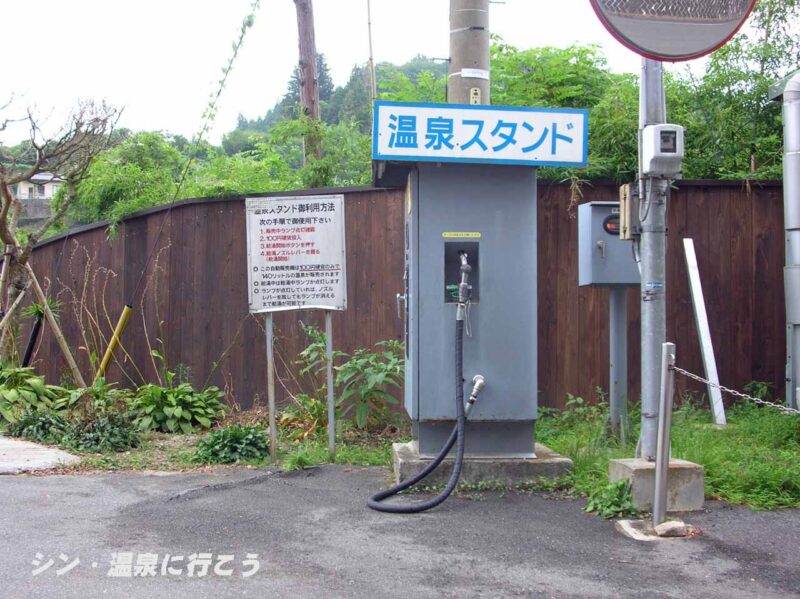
<point>673,30</point>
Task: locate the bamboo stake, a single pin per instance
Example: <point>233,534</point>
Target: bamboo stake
<point>115,337</point>
<point>13,307</point>
<point>51,320</point>
<point>4,276</point>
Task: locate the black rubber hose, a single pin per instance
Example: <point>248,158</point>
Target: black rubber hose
<point>456,438</point>
<point>34,337</point>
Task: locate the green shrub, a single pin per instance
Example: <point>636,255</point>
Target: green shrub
<point>613,500</point>
<point>365,380</point>
<point>101,399</point>
<point>39,426</point>
<point>231,444</point>
<point>314,358</point>
<point>177,408</point>
<point>22,391</point>
<point>110,432</point>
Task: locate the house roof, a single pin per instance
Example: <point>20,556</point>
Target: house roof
<point>42,178</point>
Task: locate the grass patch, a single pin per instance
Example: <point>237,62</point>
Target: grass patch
<point>312,452</point>
<point>157,451</point>
<point>754,461</point>
<point>169,451</point>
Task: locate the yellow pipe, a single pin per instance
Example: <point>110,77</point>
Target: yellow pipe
<point>115,337</point>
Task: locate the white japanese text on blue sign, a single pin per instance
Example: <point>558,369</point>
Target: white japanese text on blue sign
<point>458,133</point>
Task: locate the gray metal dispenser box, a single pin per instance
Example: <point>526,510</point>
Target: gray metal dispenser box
<point>489,212</point>
<point>603,258</point>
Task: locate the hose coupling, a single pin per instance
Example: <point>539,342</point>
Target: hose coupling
<point>478,383</point>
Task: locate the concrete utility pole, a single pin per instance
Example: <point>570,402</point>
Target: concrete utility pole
<point>309,89</point>
<point>468,74</point>
<point>653,248</point>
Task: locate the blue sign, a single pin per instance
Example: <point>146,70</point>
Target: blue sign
<point>493,134</point>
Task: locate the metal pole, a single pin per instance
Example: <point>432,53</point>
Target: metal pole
<point>791,212</point>
<point>468,73</point>
<point>331,406</point>
<point>618,360</point>
<point>273,431</point>
<point>664,425</point>
<point>653,213</point>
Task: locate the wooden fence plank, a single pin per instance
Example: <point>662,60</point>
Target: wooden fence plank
<point>202,296</point>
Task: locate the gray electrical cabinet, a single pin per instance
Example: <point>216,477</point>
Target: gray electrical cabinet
<point>489,212</point>
<point>603,258</point>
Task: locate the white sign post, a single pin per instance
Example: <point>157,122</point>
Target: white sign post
<point>296,261</point>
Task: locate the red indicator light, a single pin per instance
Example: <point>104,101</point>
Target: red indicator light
<point>611,224</point>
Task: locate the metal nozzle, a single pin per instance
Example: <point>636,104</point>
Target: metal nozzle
<point>478,383</point>
<point>464,257</point>
<point>464,290</point>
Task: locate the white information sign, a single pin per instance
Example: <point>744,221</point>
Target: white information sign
<point>490,134</point>
<point>296,253</point>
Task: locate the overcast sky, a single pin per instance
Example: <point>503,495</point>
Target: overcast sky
<point>160,59</point>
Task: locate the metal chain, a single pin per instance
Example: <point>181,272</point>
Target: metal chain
<point>762,402</point>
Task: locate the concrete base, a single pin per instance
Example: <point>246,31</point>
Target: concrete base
<point>18,456</point>
<point>685,483</point>
<point>476,468</point>
<point>642,530</point>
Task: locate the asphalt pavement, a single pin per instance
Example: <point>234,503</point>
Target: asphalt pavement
<point>242,532</point>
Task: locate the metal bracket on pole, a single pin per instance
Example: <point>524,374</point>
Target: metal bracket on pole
<point>664,426</point>
<point>704,333</point>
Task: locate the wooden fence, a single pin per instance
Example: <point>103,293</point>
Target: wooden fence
<point>192,307</point>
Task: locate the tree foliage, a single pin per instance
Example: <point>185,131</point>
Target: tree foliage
<point>139,173</point>
<point>732,129</point>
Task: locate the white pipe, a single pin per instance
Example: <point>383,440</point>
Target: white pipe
<point>791,215</point>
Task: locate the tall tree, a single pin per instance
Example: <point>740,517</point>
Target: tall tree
<point>69,153</point>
